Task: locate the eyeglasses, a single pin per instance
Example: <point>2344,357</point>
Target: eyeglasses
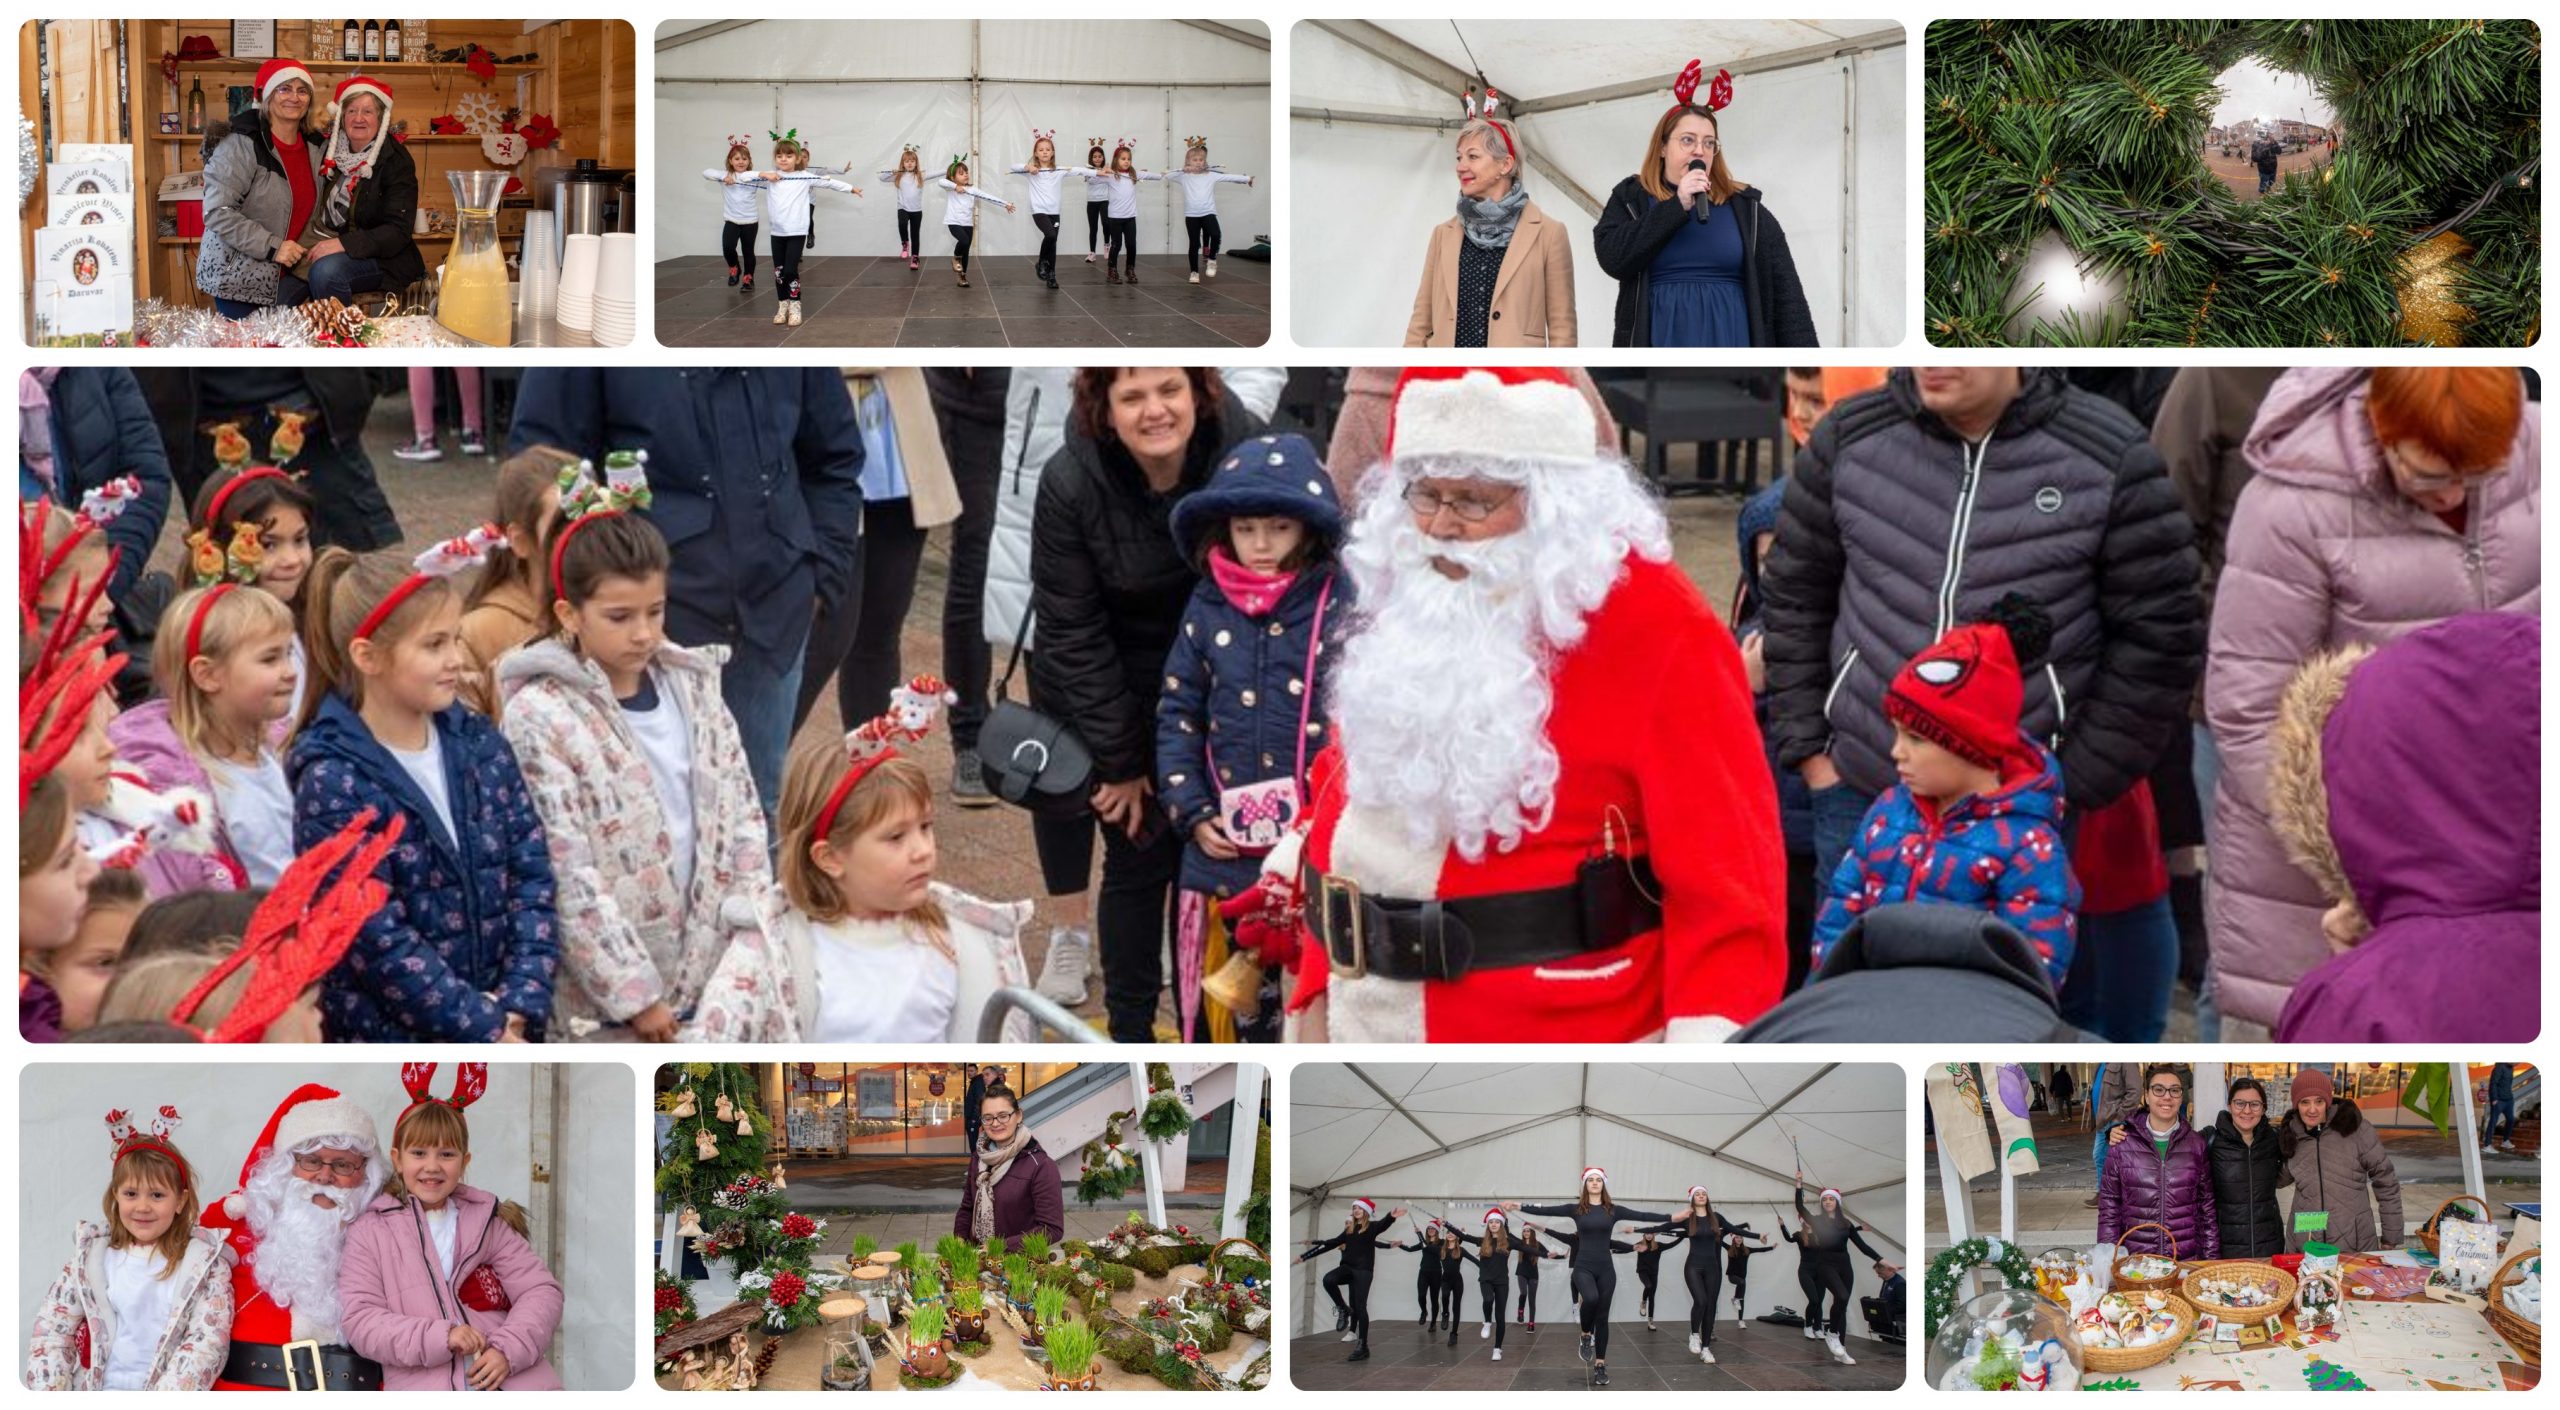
<point>2421,482</point>
<point>313,1165</point>
<point>1425,501</point>
<point>993,1117</point>
<point>2166,1091</point>
<point>2248,1106</point>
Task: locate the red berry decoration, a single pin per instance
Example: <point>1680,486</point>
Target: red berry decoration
<point>788,1288</point>
<point>798,1226</point>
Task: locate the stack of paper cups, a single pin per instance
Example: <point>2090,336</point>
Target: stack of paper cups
<point>538,281</point>
<point>617,267</point>
<point>578,282</point>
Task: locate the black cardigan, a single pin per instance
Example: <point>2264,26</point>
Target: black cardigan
<point>1633,229</point>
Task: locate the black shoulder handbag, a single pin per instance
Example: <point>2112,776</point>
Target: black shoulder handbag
<point>1030,759</point>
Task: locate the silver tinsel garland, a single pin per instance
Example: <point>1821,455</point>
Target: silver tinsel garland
<point>30,163</point>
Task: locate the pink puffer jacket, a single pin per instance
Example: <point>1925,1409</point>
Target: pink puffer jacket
<point>2324,551</point>
<point>396,1307</point>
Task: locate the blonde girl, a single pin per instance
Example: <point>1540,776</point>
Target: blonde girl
<point>144,1303</point>
<point>252,525</point>
<point>738,212</point>
<point>908,177</point>
<point>1046,179</point>
<point>224,666</point>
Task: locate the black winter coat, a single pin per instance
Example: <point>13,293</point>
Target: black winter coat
<point>1894,529</point>
<point>349,511</point>
<point>2245,1177</point>
<point>1109,585</point>
<point>382,219</point>
<point>1634,227</point>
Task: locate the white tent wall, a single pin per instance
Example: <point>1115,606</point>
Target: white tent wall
<point>1357,250</point>
<point>860,90</point>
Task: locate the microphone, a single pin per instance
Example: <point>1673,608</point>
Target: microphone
<point>1698,211</point>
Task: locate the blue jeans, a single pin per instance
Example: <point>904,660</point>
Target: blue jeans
<point>1837,811</point>
<point>760,691</point>
<point>290,290</point>
<point>2208,775</point>
<point>2266,182</point>
<point>344,276</point>
<point>2501,1107</point>
<point>2123,973</point>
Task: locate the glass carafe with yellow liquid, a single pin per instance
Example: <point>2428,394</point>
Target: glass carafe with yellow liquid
<point>473,298</point>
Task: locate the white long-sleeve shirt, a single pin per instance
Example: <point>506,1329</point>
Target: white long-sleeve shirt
<point>1200,188</point>
<point>1124,192</point>
<point>1097,187</point>
<point>1045,182</point>
<point>786,202</point>
<point>961,207</point>
<point>910,188</point>
<point>738,204</point>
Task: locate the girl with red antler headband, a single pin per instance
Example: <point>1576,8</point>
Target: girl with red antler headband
<point>63,760</point>
<point>437,1281</point>
<point>145,1301</point>
<point>467,952</point>
<point>740,211</point>
<point>907,179</point>
<point>859,943</point>
<point>1699,261</point>
<point>1199,182</point>
<point>631,756</point>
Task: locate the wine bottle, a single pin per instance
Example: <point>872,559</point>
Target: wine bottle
<point>372,41</point>
<point>352,47</point>
<point>391,41</point>
<point>195,105</point>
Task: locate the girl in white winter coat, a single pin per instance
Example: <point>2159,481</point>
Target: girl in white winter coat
<point>657,841</point>
<point>145,1301</point>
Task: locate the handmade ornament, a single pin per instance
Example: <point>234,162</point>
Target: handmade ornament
<point>292,427</point>
<point>689,1223</point>
<point>746,1127</point>
<point>480,112</point>
<point>230,445</point>
<point>706,1146</point>
<point>504,148</point>
<point>1948,1271</point>
<point>721,1110</point>
<point>2429,276</point>
<point>684,1104</point>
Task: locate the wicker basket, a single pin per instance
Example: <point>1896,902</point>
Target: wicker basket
<point>2427,1231</point>
<point>2276,1281</point>
<point>2524,1336</point>
<point>2118,1278</point>
<point>2116,1360</point>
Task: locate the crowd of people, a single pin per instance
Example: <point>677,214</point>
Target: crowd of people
<point>1419,734</point>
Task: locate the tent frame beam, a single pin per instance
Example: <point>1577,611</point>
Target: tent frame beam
<point>1449,78</point>
<point>1771,1109</point>
<point>1739,1163</point>
<point>844,82</point>
<point>1819,53</point>
<point>1398,1107</point>
<point>1363,1176</point>
<point>1227,31</point>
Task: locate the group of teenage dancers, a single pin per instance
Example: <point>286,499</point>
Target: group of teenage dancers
<point>1505,1255</point>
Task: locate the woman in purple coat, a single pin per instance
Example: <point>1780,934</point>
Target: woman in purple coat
<point>1012,1188</point>
<point>2161,1174</point>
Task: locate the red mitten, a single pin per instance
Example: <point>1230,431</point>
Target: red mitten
<point>1264,922</point>
<point>482,1292</point>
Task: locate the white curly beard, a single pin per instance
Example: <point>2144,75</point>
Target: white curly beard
<point>1443,693</point>
<point>298,1242</point>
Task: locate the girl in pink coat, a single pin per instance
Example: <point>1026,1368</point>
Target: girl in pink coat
<point>437,1282</point>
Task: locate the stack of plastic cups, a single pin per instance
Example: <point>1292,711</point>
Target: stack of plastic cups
<point>578,282</point>
<point>617,266</point>
<point>538,279</point>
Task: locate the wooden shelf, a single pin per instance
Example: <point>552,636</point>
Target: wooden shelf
<point>251,66</point>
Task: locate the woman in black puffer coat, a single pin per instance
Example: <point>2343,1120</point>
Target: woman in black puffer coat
<point>1109,584</point>
<point>2247,1162</point>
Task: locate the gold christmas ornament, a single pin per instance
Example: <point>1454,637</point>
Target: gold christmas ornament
<point>2429,313</point>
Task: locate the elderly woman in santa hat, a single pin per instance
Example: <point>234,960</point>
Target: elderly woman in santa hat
<point>368,199</point>
<point>261,185</point>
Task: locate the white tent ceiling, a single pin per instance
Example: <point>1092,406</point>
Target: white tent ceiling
<point>1817,124</point>
<point>1449,1139</point>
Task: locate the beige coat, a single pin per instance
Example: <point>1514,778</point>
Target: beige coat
<point>931,491</point>
<point>1532,297</point>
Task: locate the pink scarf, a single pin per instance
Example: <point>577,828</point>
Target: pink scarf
<point>1254,594</point>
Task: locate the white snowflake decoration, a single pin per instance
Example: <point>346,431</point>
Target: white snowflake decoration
<point>480,112</point>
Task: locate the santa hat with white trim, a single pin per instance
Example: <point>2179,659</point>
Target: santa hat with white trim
<point>356,83</point>
<point>312,1113</point>
<point>1491,413</point>
<point>1594,1172</point>
<point>1496,1216</point>
<point>275,71</point>
<point>1364,1206</point>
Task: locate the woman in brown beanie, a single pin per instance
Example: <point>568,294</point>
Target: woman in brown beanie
<point>2334,1159</point>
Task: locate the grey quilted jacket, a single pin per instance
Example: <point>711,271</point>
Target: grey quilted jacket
<point>1894,529</point>
<point>247,204</point>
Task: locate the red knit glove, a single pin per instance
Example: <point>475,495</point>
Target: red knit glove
<point>1264,921</point>
<point>482,1292</point>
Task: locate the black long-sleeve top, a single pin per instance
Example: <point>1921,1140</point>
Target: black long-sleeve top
<point>1738,1255</point>
<point>1649,1260</point>
<point>1591,1227</point>
<point>1529,1255</point>
<point>1685,1224</point>
<point>1830,1233</point>
<point>1359,1246</point>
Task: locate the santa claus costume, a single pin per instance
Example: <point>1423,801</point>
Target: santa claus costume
<point>1546,816</point>
<point>284,1326</point>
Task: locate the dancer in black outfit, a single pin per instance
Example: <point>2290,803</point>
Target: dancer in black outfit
<point>1595,1276</point>
<point>1426,1274</point>
<point>1826,1239</point>
<point>1493,1276</point>
<point>1359,1244</point>
<point>1335,1282</point>
<point>1649,1250</point>
<point>1737,1264</point>
<point>1452,1287</point>
<point>1699,1272</point>
<point>1532,1253</point>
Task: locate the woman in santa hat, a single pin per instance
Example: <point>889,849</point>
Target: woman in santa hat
<point>261,184</point>
<point>1706,1231</point>
<point>1493,1275</point>
<point>369,199</point>
<point>1595,1270</point>
<point>1824,1270</point>
<point>1359,1244</point>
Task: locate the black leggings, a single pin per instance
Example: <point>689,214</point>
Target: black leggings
<point>1826,1273</point>
<point>961,235</point>
<point>1426,1291</point>
<point>1048,240</point>
<point>856,641</point>
<point>1706,1283</point>
<point>1203,230</point>
<point>1123,233</point>
<point>1334,1282</point>
<point>1494,1291</point>
<point>1528,1297</point>
<point>738,246</point>
<point>1360,1280</point>
<point>786,266</point>
<point>1097,218</point>
<point>1596,1287</point>
<point>911,233</point>
<point>1644,1302</point>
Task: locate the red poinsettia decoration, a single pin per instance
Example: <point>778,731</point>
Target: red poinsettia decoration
<point>670,1299</point>
<point>480,64</point>
<point>538,131</point>
<point>788,1289</point>
<point>446,126</point>
<point>798,1226</point>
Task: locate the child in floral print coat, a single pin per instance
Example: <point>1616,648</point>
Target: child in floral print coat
<point>145,1302</point>
<point>1976,820</point>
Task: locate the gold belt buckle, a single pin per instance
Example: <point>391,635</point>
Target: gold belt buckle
<point>1328,887</point>
<point>319,1371</point>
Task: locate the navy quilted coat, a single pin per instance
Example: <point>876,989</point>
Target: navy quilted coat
<point>470,934</point>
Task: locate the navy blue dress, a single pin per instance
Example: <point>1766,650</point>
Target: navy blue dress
<point>1695,285</point>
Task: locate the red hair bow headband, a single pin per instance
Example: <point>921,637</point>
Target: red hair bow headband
<point>875,741</point>
<point>1685,87</point>
<point>128,1138</point>
<point>625,488</point>
<point>470,1082</point>
<point>436,564</point>
<point>308,907</point>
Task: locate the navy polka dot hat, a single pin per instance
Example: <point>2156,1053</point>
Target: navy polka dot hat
<point>1277,475</point>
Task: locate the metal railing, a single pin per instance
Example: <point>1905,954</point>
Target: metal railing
<point>1046,1012</point>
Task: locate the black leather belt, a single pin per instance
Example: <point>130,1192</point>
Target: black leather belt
<point>300,1365</point>
<point>1611,903</point>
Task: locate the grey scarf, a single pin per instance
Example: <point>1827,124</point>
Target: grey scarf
<point>1489,223</point>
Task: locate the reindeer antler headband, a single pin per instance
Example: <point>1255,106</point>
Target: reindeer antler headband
<point>212,561</point>
<point>875,741</point>
<point>305,906</point>
<point>741,141</point>
<point>470,1082</point>
<point>70,671</point>
<point>1684,88</point>
<point>98,508</point>
<point>435,565</point>
<point>1045,134</point>
<point>128,1138</point>
<point>1196,144</point>
<point>625,488</point>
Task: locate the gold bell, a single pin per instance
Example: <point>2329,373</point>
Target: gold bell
<point>1237,986</point>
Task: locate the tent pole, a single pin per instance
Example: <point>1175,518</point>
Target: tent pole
<point>2464,1115</point>
<point>1306,1305</point>
<point>1150,1162</point>
<point>1225,31</point>
<point>1244,1131</point>
<point>1848,195</point>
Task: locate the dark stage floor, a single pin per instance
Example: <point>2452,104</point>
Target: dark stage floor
<point>1751,1357</point>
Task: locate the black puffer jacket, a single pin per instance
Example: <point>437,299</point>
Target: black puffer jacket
<point>1108,585</point>
<point>350,510</point>
<point>1894,529</point>
<point>1634,227</point>
<point>2245,1177</point>
<point>383,216</point>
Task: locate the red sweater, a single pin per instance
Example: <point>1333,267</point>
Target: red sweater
<point>306,192</point>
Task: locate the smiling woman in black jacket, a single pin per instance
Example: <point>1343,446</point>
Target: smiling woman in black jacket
<point>1108,585</point>
<point>1699,262</point>
<point>2247,1163</point>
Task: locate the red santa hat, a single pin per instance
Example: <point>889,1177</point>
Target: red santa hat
<point>275,71</point>
<point>1505,413</point>
<point>1496,1216</point>
<point>1594,1172</point>
<point>311,1113</point>
<point>1696,1190</point>
<point>1363,1206</point>
<point>356,83</point>
<point>1831,1194</point>
<point>1963,693</point>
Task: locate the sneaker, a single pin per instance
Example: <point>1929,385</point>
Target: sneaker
<point>1195,276</point>
<point>781,312</point>
<point>1812,1332</point>
<point>1599,1375</point>
<point>2090,1203</point>
<point>1584,1349</point>
<point>423,448</point>
<point>795,313</point>
<point>969,781</point>
<point>1091,258</point>
<point>1649,1326</point>
<point>1497,1353</point>
<point>1361,1355</point>
<point>1350,1336</point>
<point>903,251</point>
<point>1133,272</point>
<point>1707,1355</point>
<point>1112,276</point>
<point>733,276</point>
<point>1485,1333</point>
<point>475,443</point>
<point>1693,1341</point>
<point>1065,970</point>
<point>1213,267</point>
<point>1341,1318</point>
<point>1453,1334</point>
<point>747,284</point>
<point>1839,1353</point>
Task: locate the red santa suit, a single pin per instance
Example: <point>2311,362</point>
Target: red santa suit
<point>311,1111</point>
<point>1658,756</point>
